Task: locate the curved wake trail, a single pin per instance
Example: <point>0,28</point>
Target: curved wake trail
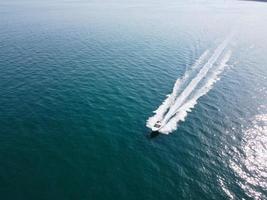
<point>181,112</point>
<point>162,109</point>
<point>188,89</point>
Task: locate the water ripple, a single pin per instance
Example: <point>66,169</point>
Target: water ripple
<point>251,164</point>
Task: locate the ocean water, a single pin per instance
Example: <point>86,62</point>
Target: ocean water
<point>80,79</point>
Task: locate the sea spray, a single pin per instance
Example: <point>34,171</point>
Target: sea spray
<point>187,107</point>
<point>195,81</point>
<point>163,108</point>
<point>188,89</point>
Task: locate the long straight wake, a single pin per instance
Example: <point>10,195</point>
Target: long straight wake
<point>162,109</point>
<point>196,82</point>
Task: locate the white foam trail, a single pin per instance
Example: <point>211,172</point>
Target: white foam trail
<point>182,112</point>
<point>195,81</point>
<point>176,107</point>
<point>162,109</point>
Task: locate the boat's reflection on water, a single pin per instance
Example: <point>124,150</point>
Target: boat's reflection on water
<point>153,134</point>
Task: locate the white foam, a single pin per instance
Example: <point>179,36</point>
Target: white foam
<point>183,110</point>
<point>182,99</point>
<point>169,101</point>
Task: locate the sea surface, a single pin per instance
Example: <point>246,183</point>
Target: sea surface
<point>80,79</point>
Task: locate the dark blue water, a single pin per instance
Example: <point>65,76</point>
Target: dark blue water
<point>79,79</point>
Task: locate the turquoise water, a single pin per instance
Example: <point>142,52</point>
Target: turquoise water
<point>79,80</point>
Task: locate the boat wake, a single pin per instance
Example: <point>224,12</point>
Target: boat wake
<point>196,82</point>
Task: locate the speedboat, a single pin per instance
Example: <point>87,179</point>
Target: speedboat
<point>157,126</point>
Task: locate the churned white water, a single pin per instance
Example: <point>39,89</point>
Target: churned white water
<point>196,82</point>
